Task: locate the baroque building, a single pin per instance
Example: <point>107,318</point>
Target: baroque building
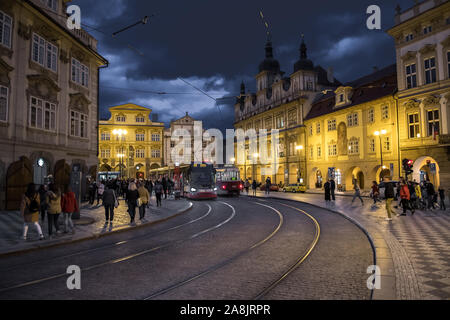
<point>131,145</point>
<point>422,41</point>
<point>49,78</point>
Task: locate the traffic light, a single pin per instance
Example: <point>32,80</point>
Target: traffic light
<point>407,166</point>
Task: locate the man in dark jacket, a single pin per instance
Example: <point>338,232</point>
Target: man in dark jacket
<point>389,194</point>
<point>109,201</point>
<point>333,189</point>
<point>158,193</point>
<point>164,185</point>
<point>431,195</point>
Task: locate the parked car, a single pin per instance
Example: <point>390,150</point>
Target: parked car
<point>382,187</point>
<point>295,188</point>
<point>273,187</point>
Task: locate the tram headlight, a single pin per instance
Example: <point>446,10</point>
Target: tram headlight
<point>215,189</point>
<point>193,190</point>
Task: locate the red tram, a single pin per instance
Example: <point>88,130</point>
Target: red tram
<point>228,181</point>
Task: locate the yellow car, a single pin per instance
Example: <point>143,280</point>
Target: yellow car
<point>297,187</point>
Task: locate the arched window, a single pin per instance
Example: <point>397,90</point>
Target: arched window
<point>140,119</point>
<point>120,118</point>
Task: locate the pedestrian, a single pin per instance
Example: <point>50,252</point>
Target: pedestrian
<point>69,206</point>
<point>431,194</point>
<point>132,197</point>
<point>389,194</point>
<point>164,185</point>
<point>268,185</point>
<point>144,198</point>
<point>43,200</point>
<point>357,192</point>
<point>412,195</point>
<point>405,197</point>
<point>247,186</point>
<point>254,186</point>
<point>29,208</point>
<point>110,202</point>
<point>158,193</point>
<point>54,209</point>
<point>418,190</point>
<point>375,192</point>
<point>100,190</point>
<point>333,189</point>
<point>442,198</point>
<point>327,187</point>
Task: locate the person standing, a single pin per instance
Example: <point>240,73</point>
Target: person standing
<point>144,197</point>
<point>164,185</point>
<point>247,186</point>
<point>327,187</point>
<point>357,192</point>
<point>431,193</point>
<point>254,186</point>
<point>69,206</point>
<point>54,209</point>
<point>132,196</point>
<point>268,185</point>
<point>333,189</point>
<point>418,190</point>
<point>423,189</point>
<point>43,200</point>
<point>149,186</point>
<point>101,189</point>
<point>389,194</point>
<point>109,203</point>
<point>442,199</point>
<point>158,193</point>
<point>375,192</point>
<point>92,191</point>
<point>29,208</point>
<point>405,197</point>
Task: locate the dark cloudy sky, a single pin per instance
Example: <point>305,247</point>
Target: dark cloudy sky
<point>217,44</point>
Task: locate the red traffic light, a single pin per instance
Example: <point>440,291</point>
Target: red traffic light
<point>410,163</point>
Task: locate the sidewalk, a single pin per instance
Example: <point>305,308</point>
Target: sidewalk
<point>413,252</point>
<point>90,226</point>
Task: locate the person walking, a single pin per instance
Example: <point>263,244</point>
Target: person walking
<point>431,194</point>
<point>327,188</point>
<point>69,206</point>
<point>254,186</point>
<point>144,198</point>
<point>54,209</point>
<point>100,190</point>
<point>43,200</point>
<point>405,197</point>
<point>375,193</point>
<point>389,194</point>
<point>109,203</point>
<point>158,193</point>
<point>412,195</point>
<point>268,185</point>
<point>132,197</point>
<point>333,189</point>
<point>418,191</point>
<point>442,198</point>
<point>357,192</point>
<point>29,208</point>
<point>164,185</point>
<point>247,186</point>
<point>423,189</point>
<point>92,190</point>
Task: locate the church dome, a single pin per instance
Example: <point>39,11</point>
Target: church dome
<point>304,63</point>
<point>269,64</point>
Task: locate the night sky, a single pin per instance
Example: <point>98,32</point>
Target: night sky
<point>217,44</point>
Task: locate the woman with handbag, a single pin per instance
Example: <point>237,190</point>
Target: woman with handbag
<point>109,202</point>
<point>132,197</point>
<point>29,207</point>
<point>144,198</point>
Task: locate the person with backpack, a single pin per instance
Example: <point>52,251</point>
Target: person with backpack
<point>54,209</point>
<point>29,208</point>
<point>144,198</point>
<point>69,206</point>
<point>158,193</point>
<point>109,203</point>
<point>405,197</point>
<point>132,197</point>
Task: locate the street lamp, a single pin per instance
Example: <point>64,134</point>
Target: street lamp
<point>379,134</point>
<point>299,149</point>
<point>120,133</point>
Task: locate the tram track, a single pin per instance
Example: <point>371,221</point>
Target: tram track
<point>130,256</point>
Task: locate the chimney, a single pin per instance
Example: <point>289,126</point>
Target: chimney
<point>330,76</point>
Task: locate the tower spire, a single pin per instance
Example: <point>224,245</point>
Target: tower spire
<point>303,49</point>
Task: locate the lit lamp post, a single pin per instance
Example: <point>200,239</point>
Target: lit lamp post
<point>299,149</point>
<point>379,134</point>
<point>120,133</point>
<point>255,160</point>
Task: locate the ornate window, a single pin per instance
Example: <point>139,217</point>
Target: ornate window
<point>385,112</point>
<point>3,104</point>
<point>371,145</point>
<point>268,123</point>
<point>156,153</point>
<point>292,117</point>
<point>105,153</point>
<point>319,151</point>
<point>332,125</point>
<point>310,130</point>
<point>42,114</point>
<point>140,137</point>
<point>318,128</point>
<point>51,4</point>
<point>311,152</point>
<point>433,122</point>
<point>352,120</point>
<point>78,124</point>
<point>371,116</point>
<point>44,53</point>
<point>386,144</point>
<point>156,137</point>
<point>80,73</point>
<point>332,149</point>
<point>411,76</point>
<point>280,121</point>
<point>430,70</point>
<point>140,153</point>
<point>120,118</point>
<point>413,125</point>
<point>5,29</point>
<point>106,136</point>
<point>353,146</point>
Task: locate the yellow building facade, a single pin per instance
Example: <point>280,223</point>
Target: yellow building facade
<point>130,145</point>
<point>352,134</point>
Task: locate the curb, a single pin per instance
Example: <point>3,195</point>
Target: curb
<point>95,236</point>
<point>356,223</point>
